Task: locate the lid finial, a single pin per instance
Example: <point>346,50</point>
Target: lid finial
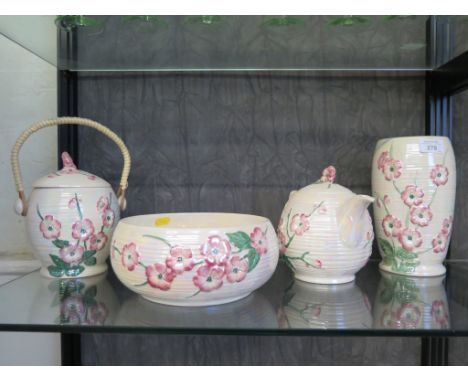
<point>68,161</point>
<point>328,175</point>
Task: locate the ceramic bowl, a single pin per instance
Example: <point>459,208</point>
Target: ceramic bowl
<point>194,259</point>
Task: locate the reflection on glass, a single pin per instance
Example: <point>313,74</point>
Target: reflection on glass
<point>349,20</point>
<point>324,306</point>
<point>404,302</point>
<point>146,19</point>
<point>85,301</point>
<point>254,311</point>
<point>283,21</point>
<point>204,20</point>
<point>73,21</point>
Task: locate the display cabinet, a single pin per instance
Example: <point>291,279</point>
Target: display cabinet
<point>231,113</point>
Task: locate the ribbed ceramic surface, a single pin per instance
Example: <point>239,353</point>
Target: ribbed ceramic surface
<point>325,306</point>
<point>70,238</point>
<point>329,259</point>
<point>415,197</point>
<point>411,303</point>
<point>194,259</point>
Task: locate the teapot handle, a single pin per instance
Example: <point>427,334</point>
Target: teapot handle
<point>22,204</point>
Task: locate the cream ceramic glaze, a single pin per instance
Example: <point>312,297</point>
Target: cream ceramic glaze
<point>325,232</point>
<point>414,181</point>
<point>70,214</point>
<point>404,302</point>
<point>194,259</point>
<point>325,306</point>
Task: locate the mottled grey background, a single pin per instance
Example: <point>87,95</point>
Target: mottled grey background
<point>241,142</point>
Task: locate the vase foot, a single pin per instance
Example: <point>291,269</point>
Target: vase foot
<point>188,302</point>
<point>325,280</point>
<point>421,271</point>
<point>88,272</point>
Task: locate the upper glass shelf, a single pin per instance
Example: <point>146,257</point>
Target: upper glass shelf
<point>377,303</point>
<point>226,43</point>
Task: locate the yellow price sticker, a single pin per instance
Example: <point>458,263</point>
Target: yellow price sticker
<point>162,221</point>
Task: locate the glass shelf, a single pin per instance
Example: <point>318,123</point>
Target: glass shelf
<point>377,304</point>
<point>226,43</point>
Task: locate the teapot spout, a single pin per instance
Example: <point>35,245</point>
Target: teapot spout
<point>353,219</point>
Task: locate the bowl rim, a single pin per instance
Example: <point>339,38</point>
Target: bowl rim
<point>127,221</point>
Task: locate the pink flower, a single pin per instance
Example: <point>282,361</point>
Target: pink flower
<point>318,264</point>
<point>259,241</point>
<point>180,260</point>
<point>236,269</point>
<point>323,210</point>
<point>447,225</point>
<point>386,199</point>
<point>216,250</point>
<point>392,169</point>
<point>389,320</point>
<point>108,218</point>
<point>97,314</point>
<point>98,241</point>
<point>209,278</point>
<point>328,175</point>
<point>72,310</point>
<point>412,196</point>
<point>281,242</point>
<point>408,316</point>
<point>410,239</point>
<point>439,243</point>
<point>103,204</point>
<point>159,276</point>
<point>383,158</point>
<point>439,174</point>
<point>421,216</point>
<point>439,313</point>
<point>72,203</point>
<point>130,256</point>
<point>92,177</point>
<point>299,224</point>
<point>72,254</point>
<point>82,229</point>
<point>391,226</point>
<point>50,227</point>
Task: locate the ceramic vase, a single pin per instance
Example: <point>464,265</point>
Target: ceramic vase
<point>413,182</point>
<point>405,302</point>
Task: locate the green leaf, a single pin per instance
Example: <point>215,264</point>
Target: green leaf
<point>405,255</point>
<point>405,297</point>
<point>60,243</point>
<point>90,261</point>
<point>386,247</point>
<point>253,258</point>
<point>240,239</point>
<point>288,262</point>
<point>89,253</point>
<point>55,271</point>
<point>75,271</point>
<point>59,262</point>
<point>386,295</point>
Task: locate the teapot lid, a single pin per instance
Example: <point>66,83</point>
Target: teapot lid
<point>70,176</point>
<point>323,187</point>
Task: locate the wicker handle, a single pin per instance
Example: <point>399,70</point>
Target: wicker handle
<point>22,206</point>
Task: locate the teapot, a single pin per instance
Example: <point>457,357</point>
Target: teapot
<point>70,214</point>
<point>325,232</point>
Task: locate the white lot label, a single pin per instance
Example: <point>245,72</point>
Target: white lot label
<point>431,146</point>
